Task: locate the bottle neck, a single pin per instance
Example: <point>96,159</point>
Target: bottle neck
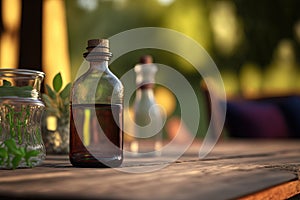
<point>101,65</point>
<point>145,93</point>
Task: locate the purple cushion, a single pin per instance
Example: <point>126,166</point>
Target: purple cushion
<point>251,119</point>
<point>290,107</point>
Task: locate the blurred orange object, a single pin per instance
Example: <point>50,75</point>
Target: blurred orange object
<point>177,130</point>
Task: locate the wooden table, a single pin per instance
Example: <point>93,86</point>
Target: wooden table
<point>234,170</point>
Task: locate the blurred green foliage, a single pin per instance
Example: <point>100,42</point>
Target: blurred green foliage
<point>263,24</point>
<point>234,32</point>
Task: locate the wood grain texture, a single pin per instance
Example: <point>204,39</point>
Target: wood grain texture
<point>235,169</point>
<point>282,191</point>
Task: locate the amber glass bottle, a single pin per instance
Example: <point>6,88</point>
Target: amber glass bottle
<point>96,124</point>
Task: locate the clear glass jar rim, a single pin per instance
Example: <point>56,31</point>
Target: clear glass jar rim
<point>21,72</point>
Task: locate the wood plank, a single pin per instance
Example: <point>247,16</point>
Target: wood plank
<point>209,179</point>
<point>282,191</point>
<point>188,184</point>
<point>233,170</point>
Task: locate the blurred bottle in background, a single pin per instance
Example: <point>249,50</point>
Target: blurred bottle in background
<point>147,114</point>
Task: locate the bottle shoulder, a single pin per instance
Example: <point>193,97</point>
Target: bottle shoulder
<point>100,87</point>
<point>98,78</point>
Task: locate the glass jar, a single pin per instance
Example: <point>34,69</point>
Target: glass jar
<point>21,111</point>
<point>96,122</point>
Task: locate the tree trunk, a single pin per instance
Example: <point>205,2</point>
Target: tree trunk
<point>31,35</point>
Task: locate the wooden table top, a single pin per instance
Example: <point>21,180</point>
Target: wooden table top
<point>233,170</point>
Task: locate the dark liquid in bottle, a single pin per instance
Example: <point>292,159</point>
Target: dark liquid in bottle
<point>96,136</point>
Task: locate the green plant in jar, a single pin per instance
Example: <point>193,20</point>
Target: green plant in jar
<point>21,108</point>
<point>11,154</point>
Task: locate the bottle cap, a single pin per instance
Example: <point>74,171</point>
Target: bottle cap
<point>97,50</point>
<point>146,59</point>
<point>98,42</point>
